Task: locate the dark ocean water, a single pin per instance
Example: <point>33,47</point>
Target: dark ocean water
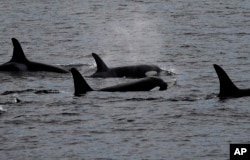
<point>42,119</point>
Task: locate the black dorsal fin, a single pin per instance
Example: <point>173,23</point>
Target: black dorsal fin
<point>18,54</point>
<point>101,66</point>
<point>227,87</point>
<point>80,84</point>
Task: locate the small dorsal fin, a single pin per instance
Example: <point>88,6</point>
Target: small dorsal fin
<point>101,66</point>
<point>227,87</point>
<point>18,54</point>
<point>81,86</point>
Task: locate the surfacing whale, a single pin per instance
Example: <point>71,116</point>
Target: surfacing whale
<point>134,71</point>
<point>144,84</point>
<point>227,87</point>
<point>19,62</point>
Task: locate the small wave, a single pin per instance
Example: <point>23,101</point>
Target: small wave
<point>44,91</point>
<point>77,64</point>
<point>17,91</point>
<point>2,110</point>
<point>192,98</point>
<point>142,99</point>
<point>50,91</point>
<point>188,99</point>
<point>70,114</point>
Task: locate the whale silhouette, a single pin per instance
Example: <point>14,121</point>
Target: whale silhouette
<point>227,87</point>
<point>134,71</point>
<point>144,84</point>
<point>19,62</point>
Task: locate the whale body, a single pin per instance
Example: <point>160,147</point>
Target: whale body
<point>19,62</point>
<point>144,84</point>
<point>134,71</point>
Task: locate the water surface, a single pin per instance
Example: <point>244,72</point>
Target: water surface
<point>45,121</point>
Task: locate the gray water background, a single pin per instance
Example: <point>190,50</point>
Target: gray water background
<point>187,121</point>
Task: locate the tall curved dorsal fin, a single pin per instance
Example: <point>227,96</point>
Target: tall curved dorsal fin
<point>81,86</point>
<point>101,66</point>
<point>18,54</point>
<point>227,87</point>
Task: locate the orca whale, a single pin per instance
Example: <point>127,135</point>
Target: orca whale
<point>19,62</point>
<point>144,84</point>
<point>135,71</point>
<point>227,87</point>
